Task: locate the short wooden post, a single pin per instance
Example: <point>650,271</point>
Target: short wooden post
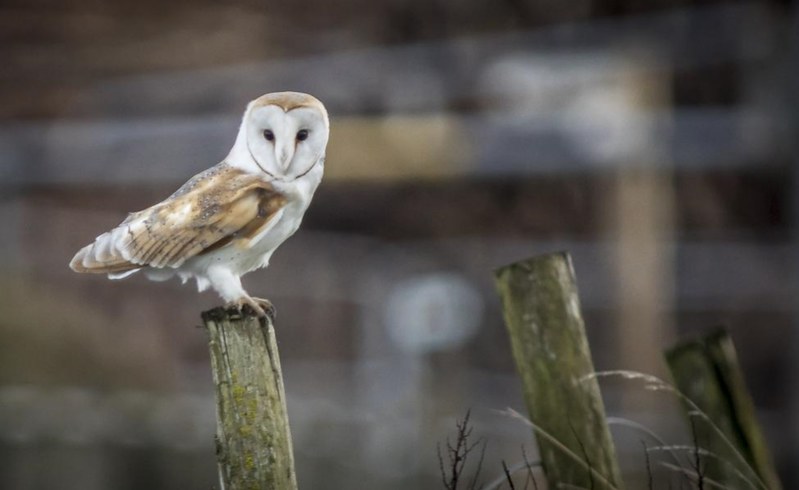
<point>542,313</point>
<point>253,440</point>
<point>706,370</point>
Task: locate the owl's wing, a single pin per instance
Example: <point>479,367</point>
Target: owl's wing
<point>215,209</point>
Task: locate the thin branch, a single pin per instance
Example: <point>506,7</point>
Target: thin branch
<point>508,478</point>
<point>457,455</point>
<point>441,466</point>
<point>476,477</point>
<point>697,462</point>
<point>496,483</point>
<point>529,467</point>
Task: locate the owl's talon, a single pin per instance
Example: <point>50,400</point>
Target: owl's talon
<point>267,307</point>
<point>250,304</point>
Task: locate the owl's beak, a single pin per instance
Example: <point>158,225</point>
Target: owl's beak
<point>284,156</point>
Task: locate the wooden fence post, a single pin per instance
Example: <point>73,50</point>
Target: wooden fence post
<point>542,313</point>
<point>253,440</point>
<point>706,371</point>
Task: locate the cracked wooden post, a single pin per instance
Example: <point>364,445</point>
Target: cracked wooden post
<point>706,370</point>
<point>542,313</point>
<point>253,441</point>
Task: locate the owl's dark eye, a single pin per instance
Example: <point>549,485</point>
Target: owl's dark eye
<point>269,135</point>
<point>302,135</point>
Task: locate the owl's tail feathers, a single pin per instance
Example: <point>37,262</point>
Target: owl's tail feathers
<point>100,258</point>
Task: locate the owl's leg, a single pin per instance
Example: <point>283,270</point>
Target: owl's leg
<point>228,285</point>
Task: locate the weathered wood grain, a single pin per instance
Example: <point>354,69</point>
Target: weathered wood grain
<point>542,313</point>
<point>253,441</point>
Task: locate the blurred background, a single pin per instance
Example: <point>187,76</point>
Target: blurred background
<point>655,141</point>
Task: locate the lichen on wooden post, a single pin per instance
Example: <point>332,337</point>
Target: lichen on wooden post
<point>542,314</point>
<point>707,372</point>
<point>253,441</point>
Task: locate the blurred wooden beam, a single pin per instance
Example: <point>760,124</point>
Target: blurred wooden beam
<point>645,267</point>
<point>641,209</point>
<point>397,147</point>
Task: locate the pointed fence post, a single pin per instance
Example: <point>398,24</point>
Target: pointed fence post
<point>706,370</point>
<point>542,313</point>
<point>253,441</point>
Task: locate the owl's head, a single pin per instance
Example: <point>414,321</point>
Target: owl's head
<point>282,134</point>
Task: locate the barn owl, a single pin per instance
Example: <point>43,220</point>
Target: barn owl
<point>229,219</point>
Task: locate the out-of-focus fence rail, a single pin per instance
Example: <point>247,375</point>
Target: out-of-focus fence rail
<point>561,94</point>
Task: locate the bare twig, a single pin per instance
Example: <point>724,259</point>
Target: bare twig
<point>457,454</point>
<point>529,467</point>
<point>476,477</point>
<point>508,477</point>
<point>441,469</point>
<point>697,462</point>
<point>497,483</point>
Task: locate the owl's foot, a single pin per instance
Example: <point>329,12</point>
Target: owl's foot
<point>261,307</point>
<point>267,307</point>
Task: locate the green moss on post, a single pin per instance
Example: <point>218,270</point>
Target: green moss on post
<point>253,439</point>
<point>706,370</point>
<point>542,313</point>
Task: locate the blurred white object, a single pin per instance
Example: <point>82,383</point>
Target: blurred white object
<point>433,312</point>
<point>592,101</point>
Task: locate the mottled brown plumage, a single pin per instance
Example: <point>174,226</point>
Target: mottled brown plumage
<point>221,206</point>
